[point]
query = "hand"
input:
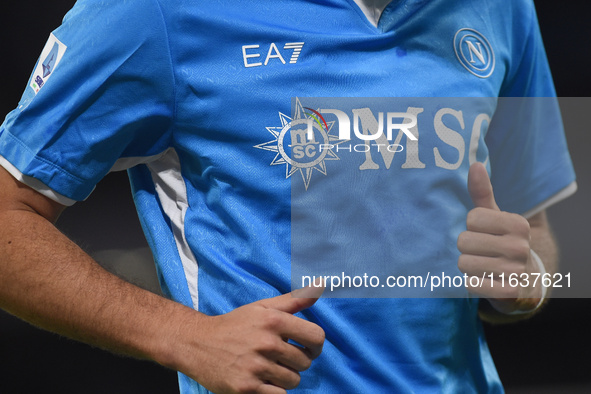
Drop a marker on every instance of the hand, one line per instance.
(497, 242)
(246, 350)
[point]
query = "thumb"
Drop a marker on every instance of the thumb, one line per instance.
(480, 188)
(295, 301)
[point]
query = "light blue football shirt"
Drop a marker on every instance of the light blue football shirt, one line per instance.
(192, 98)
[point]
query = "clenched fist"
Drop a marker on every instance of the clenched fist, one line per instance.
(496, 246)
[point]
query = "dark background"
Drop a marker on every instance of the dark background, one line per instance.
(548, 353)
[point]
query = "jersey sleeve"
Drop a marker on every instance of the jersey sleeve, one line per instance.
(530, 164)
(101, 96)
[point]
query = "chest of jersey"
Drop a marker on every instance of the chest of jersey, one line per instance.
(244, 97)
(236, 80)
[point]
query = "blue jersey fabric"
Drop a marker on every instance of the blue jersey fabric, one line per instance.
(187, 94)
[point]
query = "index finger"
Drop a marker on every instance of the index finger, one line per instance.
(307, 334)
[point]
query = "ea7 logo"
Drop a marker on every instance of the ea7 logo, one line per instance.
(290, 50)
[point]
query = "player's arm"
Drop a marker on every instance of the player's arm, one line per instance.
(49, 281)
(501, 244)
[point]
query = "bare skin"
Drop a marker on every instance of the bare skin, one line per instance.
(47, 280)
(500, 242)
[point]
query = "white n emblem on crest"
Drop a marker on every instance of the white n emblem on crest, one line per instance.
(474, 51)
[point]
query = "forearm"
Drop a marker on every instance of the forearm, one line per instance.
(543, 243)
(49, 281)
